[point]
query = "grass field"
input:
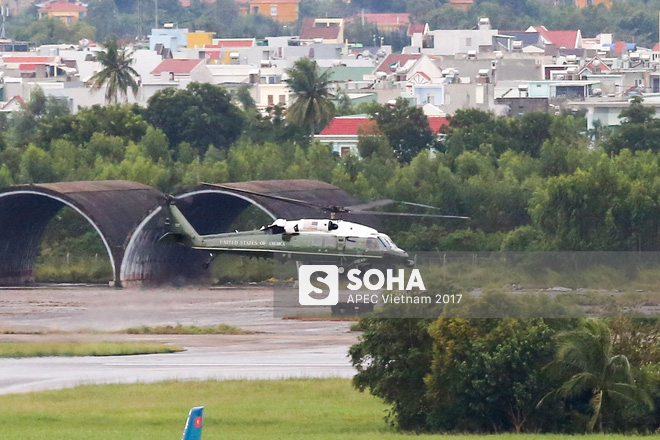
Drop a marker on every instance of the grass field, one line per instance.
(40, 349)
(238, 410)
(220, 329)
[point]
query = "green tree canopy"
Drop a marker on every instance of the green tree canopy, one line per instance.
(201, 114)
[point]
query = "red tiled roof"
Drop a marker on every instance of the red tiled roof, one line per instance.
(231, 43)
(176, 66)
(656, 47)
(18, 99)
(416, 28)
(309, 31)
(27, 67)
(461, 2)
(348, 126)
(438, 123)
(396, 58)
(356, 125)
(64, 6)
(620, 47)
(596, 64)
(33, 60)
(567, 39)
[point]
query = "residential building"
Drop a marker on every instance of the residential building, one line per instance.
(284, 11)
(463, 5)
(385, 22)
(181, 71)
(68, 13)
(343, 132)
(570, 39)
(323, 30)
(585, 3)
(199, 39)
(173, 39)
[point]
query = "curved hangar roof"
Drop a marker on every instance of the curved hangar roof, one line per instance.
(125, 214)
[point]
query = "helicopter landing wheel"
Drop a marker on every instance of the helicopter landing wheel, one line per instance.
(205, 265)
(341, 270)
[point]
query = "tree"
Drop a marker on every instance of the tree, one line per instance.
(201, 115)
(587, 357)
(638, 131)
(117, 74)
(487, 373)
(406, 128)
(312, 107)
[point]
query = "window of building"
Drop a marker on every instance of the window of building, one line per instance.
(468, 42)
(271, 100)
(273, 10)
(282, 99)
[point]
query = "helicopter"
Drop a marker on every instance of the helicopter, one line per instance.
(311, 241)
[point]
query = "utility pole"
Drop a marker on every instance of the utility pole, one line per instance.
(5, 14)
(139, 11)
(156, 1)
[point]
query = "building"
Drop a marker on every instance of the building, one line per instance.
(199, 39)
(584, 3)
(343, 132)
(182, 71)
(385, 22)
(284, 11)
(323, 30)
(69, 13)
(463, 5)
(173, 39)
(571, 39)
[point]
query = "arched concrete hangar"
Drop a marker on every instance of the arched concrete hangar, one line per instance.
(126, 217)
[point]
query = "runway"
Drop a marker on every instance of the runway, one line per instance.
(279, 348)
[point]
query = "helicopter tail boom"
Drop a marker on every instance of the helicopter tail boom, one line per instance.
(179, 225)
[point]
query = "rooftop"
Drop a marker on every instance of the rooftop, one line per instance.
(178, 67)
(64, 6)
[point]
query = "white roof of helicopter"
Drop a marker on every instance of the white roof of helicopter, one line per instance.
(345, 228)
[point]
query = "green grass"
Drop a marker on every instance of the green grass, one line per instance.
(237, 410)
(41, 349)
(91, 271)
(221, 329)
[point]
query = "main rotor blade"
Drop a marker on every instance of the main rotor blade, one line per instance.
(407, 214)
(270, 196)
(365, 208)
(370, 205)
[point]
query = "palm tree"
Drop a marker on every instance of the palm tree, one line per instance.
(585, 355)
(117, 74)
(311, 108)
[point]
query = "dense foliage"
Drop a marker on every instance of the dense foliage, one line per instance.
(505, 374)
(528, 183)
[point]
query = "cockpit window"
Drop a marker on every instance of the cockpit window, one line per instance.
(373, 244)
(384, 243)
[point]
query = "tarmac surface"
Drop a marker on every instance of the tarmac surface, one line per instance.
(280, 348)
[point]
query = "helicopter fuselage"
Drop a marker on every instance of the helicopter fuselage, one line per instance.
(340, 242)
(310, 240)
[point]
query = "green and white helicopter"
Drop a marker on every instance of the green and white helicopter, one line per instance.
(308, 241)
